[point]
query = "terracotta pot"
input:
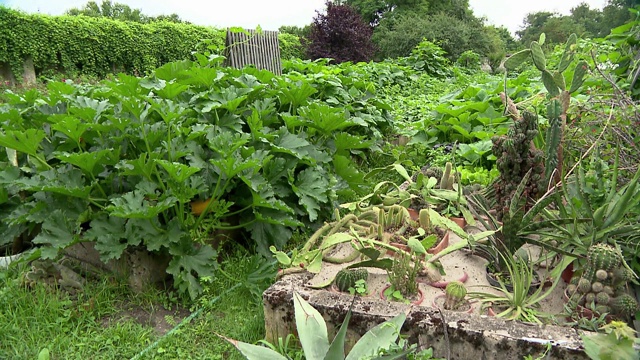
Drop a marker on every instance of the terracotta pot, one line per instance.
(444, 242)
(414, 213)
(443, 284)
(459, 221)
(438, 302)
(416, 302)
(567, 273)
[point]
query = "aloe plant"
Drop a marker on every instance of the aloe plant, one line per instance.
(312, 332)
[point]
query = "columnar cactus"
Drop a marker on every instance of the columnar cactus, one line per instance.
(448, 178)
(517, 156)
(559, 95)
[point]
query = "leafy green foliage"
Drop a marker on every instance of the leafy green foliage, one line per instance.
(95, 45)
(312, 330)
(119, 11)
(119, 163)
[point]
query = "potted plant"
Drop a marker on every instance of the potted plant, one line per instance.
(602, 288)
(353, 281)
(403, 276)
(600, 219)
(521, 224)
(518, 302)
(454, 298)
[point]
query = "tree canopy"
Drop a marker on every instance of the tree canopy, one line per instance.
(121, 12)
(583, 20)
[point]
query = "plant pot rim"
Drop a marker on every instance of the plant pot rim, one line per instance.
(5, 261)
(443, 284)
(416, 302)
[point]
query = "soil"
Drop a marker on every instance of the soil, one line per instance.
(455, 265)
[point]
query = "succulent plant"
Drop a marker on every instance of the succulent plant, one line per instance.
(603, 257)
(455, 292)
(624, 305)
(559, 95)
(346, 278)
(516, 157)
(604, 280)
(448, 177)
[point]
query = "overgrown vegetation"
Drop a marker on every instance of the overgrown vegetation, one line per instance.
(166, 161)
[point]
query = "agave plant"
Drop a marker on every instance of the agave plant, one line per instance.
(516, 302)
(312, 331)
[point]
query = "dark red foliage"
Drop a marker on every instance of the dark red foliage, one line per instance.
(340, 34)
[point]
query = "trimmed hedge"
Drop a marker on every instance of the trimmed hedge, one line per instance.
(95, 46)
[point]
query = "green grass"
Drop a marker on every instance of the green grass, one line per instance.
(75, 327)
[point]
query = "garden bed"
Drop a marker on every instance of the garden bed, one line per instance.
(477, 336)
(468, 336)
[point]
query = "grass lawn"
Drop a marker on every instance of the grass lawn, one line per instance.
(107, 321)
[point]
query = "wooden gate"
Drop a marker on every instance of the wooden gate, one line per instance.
(259, 49)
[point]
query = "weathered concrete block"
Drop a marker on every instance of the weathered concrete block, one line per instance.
(468, 336)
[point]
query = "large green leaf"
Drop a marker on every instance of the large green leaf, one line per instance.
(27, 141)
(255, 352)
(87, 161)
(177, 171)
(134, 204)
(312, 329)
(109, 234)
(58, 231)
(311, 186)
(189, 262)
(380, 337)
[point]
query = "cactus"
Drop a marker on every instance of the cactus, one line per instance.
(601, 257)
(554, 82)
(624, 305)
(516, 157)
(601, 275)
(448, 178)
(602, 298)
(604, 280)
(538, 57)
(455, 293)
(425, 220)
(346, 278)
(597, 287)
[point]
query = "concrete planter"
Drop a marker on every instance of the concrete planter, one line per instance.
(470, 336)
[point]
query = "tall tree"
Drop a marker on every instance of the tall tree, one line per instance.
(340, 34)
(590, 19)
(119, 11)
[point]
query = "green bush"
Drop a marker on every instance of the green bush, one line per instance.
(291, 47)
(95, 46)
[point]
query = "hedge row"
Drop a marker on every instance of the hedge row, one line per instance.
(76, 45)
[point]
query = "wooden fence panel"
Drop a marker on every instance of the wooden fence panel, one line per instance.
(261, 50)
